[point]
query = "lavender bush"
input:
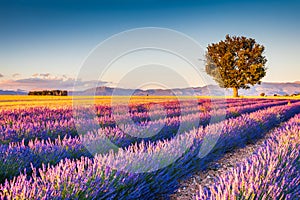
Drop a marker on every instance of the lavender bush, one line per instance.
(43, 122)
(122, 174)
(52, 151)
(272, 172)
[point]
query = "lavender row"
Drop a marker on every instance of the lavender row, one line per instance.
(42, 123)
(143, 112)
(272, 172)
(119, 175)
(17, 157)
(175, 108)
(47, 151)
(169, 127)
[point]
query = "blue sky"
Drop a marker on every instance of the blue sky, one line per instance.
(43, 43)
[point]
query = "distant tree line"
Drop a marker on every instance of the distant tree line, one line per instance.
(49, 93)
(284, 95)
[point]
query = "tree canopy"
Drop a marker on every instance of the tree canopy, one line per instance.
(236, 62)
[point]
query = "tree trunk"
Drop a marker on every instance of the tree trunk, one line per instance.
(235, 92)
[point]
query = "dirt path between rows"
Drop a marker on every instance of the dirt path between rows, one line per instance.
(189, 186)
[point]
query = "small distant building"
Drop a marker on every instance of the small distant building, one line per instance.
(49, 93)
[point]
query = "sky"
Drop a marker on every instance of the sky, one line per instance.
(44, 43)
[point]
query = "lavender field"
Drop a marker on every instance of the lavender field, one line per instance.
(149, 100)
(50, 152)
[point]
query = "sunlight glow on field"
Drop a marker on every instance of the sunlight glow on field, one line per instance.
(31, 101)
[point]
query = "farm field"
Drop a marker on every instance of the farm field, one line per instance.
(149, 100)
(51, 149)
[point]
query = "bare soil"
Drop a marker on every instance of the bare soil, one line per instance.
(189, 187)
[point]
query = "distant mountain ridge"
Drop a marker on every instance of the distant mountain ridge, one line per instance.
(12, 92)
(269, 88)
(274, 88)
(266, 87)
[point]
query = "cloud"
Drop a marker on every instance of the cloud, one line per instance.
(48, 82)
(16, 75)
(45, 75)
(1, 75)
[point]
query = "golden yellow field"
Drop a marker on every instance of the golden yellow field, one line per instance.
(25, 101)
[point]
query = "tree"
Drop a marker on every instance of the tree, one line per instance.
(236, 62)
(49, 92)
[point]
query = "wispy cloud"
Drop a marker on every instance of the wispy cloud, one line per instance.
(48, 81)
(45, 75)
(16, 75)
(1, 75)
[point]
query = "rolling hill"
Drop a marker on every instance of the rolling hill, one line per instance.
(266, 87)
